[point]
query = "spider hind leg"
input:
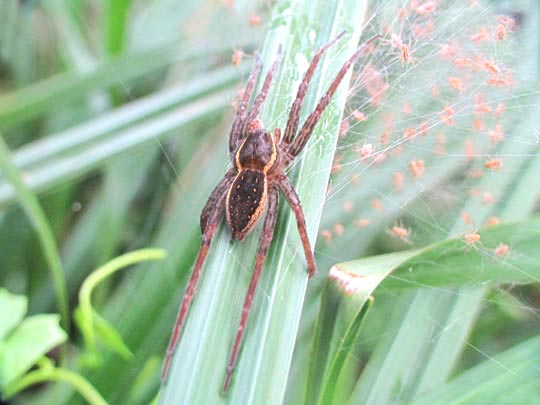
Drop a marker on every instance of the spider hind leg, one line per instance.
(266, 239)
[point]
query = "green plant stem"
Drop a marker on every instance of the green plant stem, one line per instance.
(37, 217)
(101, 274)
(57, 374)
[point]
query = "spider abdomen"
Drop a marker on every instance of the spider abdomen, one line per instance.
(246, 201)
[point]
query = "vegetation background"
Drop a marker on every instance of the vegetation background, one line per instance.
(114, 117)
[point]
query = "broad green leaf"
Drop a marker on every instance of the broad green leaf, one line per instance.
(30, 341)
(12, 310)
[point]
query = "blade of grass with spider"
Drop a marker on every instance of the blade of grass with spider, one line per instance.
(264, 362)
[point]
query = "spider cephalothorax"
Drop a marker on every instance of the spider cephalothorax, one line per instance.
(251, 187)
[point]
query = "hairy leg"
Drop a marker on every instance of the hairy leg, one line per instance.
(212, 222)
(294, 115)
(304, 134)
(255, 109)
(216, 195)
(240, 117)
(266, 239)
(294, 202)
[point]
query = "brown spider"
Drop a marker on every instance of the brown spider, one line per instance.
(259, 160)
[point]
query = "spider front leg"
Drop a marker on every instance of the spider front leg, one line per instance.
(293, 200)
(241, 112)
(294, 115)
(266, 239)
(307, 129)
(259, 100)
(210, 220)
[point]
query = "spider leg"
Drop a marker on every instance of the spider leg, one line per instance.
(215, 196)
(259, 100)
(293, 200)
(294, 115)
(239, 118)
(213, 219)
(266, 239)
(307, 129)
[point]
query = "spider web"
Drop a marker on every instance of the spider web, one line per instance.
(438, 114)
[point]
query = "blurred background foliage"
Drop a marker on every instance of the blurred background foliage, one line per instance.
(116, 114)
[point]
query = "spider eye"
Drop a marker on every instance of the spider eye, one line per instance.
(254, 125)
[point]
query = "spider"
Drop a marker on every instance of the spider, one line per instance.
(259, 160)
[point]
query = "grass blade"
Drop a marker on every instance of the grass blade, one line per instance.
(37, 217)
(265, 359)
